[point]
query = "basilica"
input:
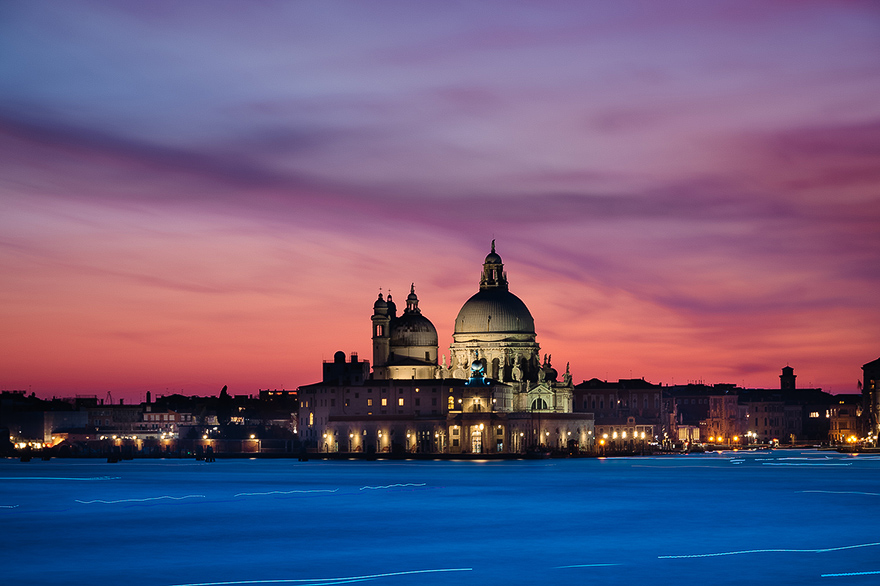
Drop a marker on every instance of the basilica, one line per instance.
(496, 394)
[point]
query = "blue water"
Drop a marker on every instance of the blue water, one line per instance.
(735, 518)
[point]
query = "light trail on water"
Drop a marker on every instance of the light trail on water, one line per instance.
(329, 581)
(154, 498)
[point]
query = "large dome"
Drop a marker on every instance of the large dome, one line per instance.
(413, 329)
(494, 311)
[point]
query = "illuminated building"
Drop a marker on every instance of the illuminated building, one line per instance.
(495, 396)
(871, 398)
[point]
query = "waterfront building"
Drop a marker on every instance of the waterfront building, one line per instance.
(871, 398)
(846, 420)
(628, 413)
(495, 395)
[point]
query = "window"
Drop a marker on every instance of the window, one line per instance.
(434, 402)
(451, 403)
(380, 330)
(539, 403)
(400, 402)
(455, 442)
(418, 402)
(311, 419)
(333, 402)
(369, 402)
(346, 402)
(384, 402)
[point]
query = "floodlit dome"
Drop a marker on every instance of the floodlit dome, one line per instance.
(494, 311)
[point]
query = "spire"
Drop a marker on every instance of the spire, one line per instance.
(493, 245)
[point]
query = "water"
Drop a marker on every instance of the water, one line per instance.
(779, 517)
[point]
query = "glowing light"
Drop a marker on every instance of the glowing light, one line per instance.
(253, 436)
(481, 427)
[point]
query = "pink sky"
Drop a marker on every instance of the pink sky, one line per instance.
(212, 193)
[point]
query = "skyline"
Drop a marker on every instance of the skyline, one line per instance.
(205, 194)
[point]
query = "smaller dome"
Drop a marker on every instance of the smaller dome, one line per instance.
(493, 258)
(380, 303)
(413, 329)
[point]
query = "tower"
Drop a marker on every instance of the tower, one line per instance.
(381, 332)
(786, 379)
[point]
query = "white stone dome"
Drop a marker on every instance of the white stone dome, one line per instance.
(494, 311)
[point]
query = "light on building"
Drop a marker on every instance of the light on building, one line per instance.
(481, 427)
(253, 436)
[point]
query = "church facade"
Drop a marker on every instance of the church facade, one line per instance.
(496, 394)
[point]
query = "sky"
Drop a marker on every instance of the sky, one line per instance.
(213, 193)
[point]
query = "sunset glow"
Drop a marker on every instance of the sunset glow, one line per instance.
(213, 193)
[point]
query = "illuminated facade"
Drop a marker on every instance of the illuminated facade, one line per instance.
(871, 398)
(496, 395)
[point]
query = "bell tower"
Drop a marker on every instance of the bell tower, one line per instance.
(381, 333)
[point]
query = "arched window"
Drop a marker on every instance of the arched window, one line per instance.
(451, 403)
(539, 403)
